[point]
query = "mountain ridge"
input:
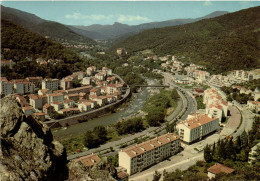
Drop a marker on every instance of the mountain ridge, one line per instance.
(113, 31)
(43, 27)
(227, 42)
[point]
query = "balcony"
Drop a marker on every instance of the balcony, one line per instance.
(140, 164)
(157, 156)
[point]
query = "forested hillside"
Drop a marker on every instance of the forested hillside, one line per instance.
(24, 45)
(223, 43)
(54, 30)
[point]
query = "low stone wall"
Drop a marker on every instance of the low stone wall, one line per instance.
(82, 117)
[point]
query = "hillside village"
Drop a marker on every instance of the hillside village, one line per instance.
(53, 98)
(191, 95)
(195, 127)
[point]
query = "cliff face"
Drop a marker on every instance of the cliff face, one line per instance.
(28, 151)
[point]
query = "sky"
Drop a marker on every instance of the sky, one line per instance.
(126, 12)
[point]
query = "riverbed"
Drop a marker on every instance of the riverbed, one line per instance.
(132, 109)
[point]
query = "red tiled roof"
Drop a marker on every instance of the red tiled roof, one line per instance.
(219, 168)
(55, 94)
(56, 102)
(39, 114)
(89, 160)
(197, 121)
(141, 148)
(44, 90)
(68, 101)
(3, 79)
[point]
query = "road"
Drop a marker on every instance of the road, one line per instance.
(151, 132)
(193, 153)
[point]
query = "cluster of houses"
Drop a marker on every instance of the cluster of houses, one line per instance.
(8, 63)
(196, 72)
(216, 106)
(171, 63)
(141, 156)
(121, 51)
(234, 77)
(60, 96)
(42, 61)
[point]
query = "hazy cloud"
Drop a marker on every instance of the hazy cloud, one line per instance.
(130, 18)
(79, 16)
(207, 3)
(116, 18)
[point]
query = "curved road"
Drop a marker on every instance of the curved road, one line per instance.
(180, 113)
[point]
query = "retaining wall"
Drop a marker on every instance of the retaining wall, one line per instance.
(83, 117)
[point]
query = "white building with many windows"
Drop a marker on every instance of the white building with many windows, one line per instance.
(52, 84)
(54, 97)
(196, 127)
(6, 87)
(138, 157)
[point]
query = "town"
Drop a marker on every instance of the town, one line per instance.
(57, 98)
(113, 91)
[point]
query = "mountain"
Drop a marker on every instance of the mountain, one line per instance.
(24, 47)
(121, 31)
(54, 30)
(222, 43)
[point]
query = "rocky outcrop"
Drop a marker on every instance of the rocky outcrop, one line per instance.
(28, 151)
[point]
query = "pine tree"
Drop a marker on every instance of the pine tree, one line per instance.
(220, 153)
(244, 139)
(238, 144)
(213, 148)
(230, 150)
(207, 154)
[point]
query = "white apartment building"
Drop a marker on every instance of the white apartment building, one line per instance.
(138, 157)
(243, 75)
(112, 88)
(55, 97)
(86, 81)
(196, 127)
(107, 70)
(100, 76)
(253, 153)
(91, 70)
(36, 101)
(215, 105)
(84, 106)
(57, 105)
(52, 84)
(6, 87)
(66, 84)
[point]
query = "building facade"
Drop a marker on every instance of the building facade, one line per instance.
(196, 127)
(52, 84)
(138, 157)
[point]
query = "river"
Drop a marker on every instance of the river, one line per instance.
(133, 108)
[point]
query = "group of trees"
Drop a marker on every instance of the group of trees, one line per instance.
(200, 104)
(157, 105)
(234, 94)
(133, 125)
(25, 47)
(222, 43)
(228, 150)
(95, 137)
(231, 153)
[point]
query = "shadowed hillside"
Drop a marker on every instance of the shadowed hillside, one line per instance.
(223, 43)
